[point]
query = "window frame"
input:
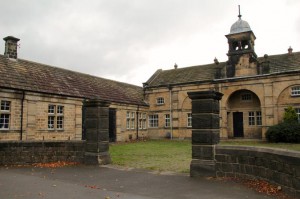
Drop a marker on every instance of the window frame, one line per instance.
(130, 120)
(153, 121)
(128, 123)
(5, 114)
(56, 118)
(246, 97)
(142, 121)
(254, 118)
(258, 119)
(298, 113)
(160, 101)
(167, 120)
(295, 91)
(251, 118)
(189, 120)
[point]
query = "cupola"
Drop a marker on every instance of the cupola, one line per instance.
(241, 52)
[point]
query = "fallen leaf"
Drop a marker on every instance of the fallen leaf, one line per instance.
(55, 164)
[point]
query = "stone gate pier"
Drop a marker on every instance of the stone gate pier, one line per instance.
(205, 131)
(97, 132)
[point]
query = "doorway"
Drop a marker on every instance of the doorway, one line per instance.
(112, 125)
(238, 125)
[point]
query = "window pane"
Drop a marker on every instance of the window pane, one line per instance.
(298, 113)
(153, 121)
(4, 121)
(60, 122)
(258, 118)
(132, 124)
(251, 119)
(295, 91)
(51, 109)
(167, 120)
(246, 97)
(128, 124)
(160, 100)
(140, 123)
(51, 122)
(5, 105)
(144, 124)
(189, 120)
(60, 110)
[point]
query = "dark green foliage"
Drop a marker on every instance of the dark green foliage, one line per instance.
(284, 132)
(288, 131)
(290, 115)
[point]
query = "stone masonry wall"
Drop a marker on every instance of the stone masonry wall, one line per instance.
(28, 152)
(281, 167)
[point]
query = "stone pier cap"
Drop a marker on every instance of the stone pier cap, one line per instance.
(205, 95)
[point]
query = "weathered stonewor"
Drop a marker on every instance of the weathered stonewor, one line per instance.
(97, 132)
(205, 131)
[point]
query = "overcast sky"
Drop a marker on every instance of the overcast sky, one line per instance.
(128, 40)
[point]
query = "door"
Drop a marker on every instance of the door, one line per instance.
(238, 126)
(112, 125)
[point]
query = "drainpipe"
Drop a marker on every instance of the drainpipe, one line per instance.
(137, 122)
(22, 112)
(171, 115)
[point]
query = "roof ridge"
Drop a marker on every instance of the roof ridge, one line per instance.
(72, 71)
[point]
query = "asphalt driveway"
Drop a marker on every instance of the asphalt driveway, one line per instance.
(94, 182)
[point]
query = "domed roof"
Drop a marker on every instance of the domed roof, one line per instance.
(239, 26)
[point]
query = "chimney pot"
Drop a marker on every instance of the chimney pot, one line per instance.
(216, 61)
(11, 47)
(290, 50)
(175, 66)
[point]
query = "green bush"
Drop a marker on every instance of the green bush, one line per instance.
(284, 132)
(290, 115)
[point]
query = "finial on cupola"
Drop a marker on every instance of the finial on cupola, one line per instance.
(239, 12)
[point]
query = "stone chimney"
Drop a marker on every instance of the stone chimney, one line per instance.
(11, 47)
(290, 50)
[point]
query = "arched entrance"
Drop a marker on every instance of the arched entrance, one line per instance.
(244, 115)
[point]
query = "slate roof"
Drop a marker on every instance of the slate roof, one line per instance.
(30, 76)
(201, 73)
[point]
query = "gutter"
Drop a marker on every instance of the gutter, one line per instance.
(171, 115)
(137, 122)
(22, 113)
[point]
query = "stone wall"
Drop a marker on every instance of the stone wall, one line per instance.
(28, 152)
(277, 166)
(35, 116)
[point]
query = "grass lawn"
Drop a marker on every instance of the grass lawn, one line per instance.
(166, 155)
(162, 155)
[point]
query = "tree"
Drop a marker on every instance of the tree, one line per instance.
(290, 115)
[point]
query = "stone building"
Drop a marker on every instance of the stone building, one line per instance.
(256, 90)
(40, 102)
